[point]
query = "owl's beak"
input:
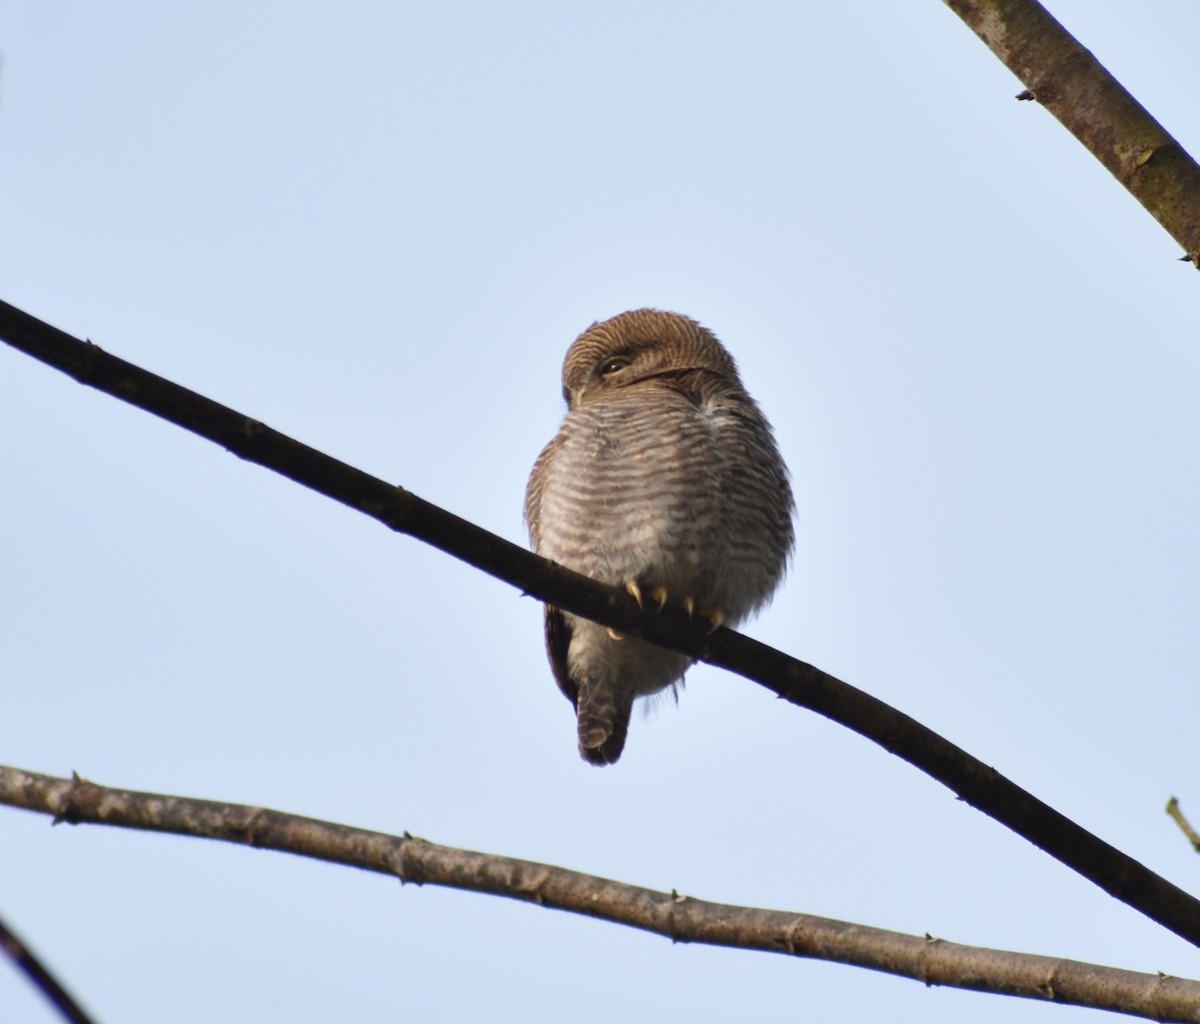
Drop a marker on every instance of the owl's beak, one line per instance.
(575, 396)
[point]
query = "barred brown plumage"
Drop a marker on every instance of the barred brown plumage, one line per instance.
(664, 478)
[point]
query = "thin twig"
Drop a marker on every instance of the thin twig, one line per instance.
(679, 918)
(37, 972)
(795, 681)
(1174, 811)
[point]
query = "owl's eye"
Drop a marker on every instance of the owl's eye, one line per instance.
(615, 364)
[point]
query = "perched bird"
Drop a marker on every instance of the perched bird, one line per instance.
(664, 479)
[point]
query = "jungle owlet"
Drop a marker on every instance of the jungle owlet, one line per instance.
(664, 479)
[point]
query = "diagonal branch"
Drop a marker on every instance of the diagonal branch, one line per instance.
(679, 918)
(28, 963)
(1094, 107)
(797, 682)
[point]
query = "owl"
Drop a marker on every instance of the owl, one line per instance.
(663, 479)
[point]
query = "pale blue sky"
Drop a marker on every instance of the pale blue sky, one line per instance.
(377, 228)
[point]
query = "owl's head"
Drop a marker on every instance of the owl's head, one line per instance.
(641, 345)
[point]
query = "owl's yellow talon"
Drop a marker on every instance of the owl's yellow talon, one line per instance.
(715, 616)
(689, 606)
(634, 591)
(614, 634)
(659, 594)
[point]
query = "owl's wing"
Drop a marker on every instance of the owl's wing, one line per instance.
(533, 492)
(558, 639)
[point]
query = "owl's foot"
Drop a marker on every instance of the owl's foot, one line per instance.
(658, 595)
(634, 591)
(714, 615)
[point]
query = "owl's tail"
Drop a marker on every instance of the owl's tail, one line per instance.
(603, 724)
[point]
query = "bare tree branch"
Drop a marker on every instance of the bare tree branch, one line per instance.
(795, 681)
(1094, 107)
(679, 918)
(28, 963)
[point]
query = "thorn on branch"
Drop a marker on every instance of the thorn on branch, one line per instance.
(671, 933)
(69, 811)
(406, 865)
(1025, 95)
